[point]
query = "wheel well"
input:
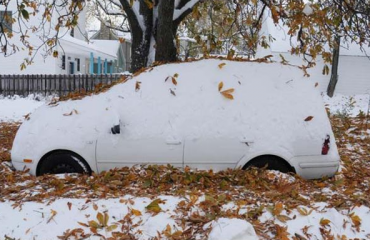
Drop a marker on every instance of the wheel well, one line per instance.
(43, 159)
(280, 159)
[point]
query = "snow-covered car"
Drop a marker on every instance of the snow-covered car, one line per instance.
(205, 114)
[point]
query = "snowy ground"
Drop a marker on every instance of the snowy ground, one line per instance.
(15, 108)
(169, 204)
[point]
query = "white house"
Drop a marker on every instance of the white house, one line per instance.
(353, 69)
(75, 54)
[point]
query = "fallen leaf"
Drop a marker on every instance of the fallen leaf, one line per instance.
(309, 118)
(174, 81)
(69, 205)
(154, 206)
(137, 86)
(220, 86)
(324, 222)
(136, 212)
(355, 219)
(221, 65)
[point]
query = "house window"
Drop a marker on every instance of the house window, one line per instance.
(64, 62)
(6, 21)
(78, 64)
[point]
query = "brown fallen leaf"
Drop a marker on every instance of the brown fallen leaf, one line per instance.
(69, 205)
(309, 118)
(137, 86)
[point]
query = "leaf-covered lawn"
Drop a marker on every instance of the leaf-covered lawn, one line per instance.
(279, 206)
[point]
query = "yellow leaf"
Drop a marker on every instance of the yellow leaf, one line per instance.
(93, 224)
(111, 228)
(167, 231)
(106, 218)
(154, 206)
(136, 212)
(221, 65)
(355, 219)
(176, 75)
(121, 40)
(149, 4)
(220, 86)
(304, 211)
(100, 218)
(324, 222)
(283, 218)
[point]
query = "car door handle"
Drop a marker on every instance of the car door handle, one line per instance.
(174, 142)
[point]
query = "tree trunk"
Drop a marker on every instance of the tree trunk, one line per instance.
(165, 48)
(334, 68)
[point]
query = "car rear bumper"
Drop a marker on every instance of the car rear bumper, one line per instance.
(313, 167)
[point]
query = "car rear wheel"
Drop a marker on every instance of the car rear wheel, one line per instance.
(271, 163)
(60, 162)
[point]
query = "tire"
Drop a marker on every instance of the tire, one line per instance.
(63, 162)
(272, 162)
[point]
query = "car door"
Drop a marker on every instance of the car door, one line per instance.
(116, 150)
(215, 153)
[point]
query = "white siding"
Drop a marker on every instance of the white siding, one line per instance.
(353, 71)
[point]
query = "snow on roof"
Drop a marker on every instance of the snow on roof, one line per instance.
(73, 45)
(283, 42)
(109, 46)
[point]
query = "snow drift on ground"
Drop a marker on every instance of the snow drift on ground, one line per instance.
(15, 108)
(349, 106)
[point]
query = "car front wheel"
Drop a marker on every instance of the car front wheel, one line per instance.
(60, 162)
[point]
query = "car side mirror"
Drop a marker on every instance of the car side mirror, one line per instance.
(116, 129)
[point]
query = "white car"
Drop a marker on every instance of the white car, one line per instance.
(205, 114)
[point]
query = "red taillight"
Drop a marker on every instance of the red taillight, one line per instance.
(326, 146)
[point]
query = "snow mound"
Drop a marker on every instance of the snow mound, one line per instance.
(232, 229)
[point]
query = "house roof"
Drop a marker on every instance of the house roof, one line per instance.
(109, 46)
(73, 45)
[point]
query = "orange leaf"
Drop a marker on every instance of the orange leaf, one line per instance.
(221, 65)
(227, 95)
(220, 86)
(136, 212)
(231, 90)
(324, 222)
(278, 209)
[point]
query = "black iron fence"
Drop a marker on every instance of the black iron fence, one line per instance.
(46, 84)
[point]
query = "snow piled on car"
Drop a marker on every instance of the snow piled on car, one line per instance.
(189, 100)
